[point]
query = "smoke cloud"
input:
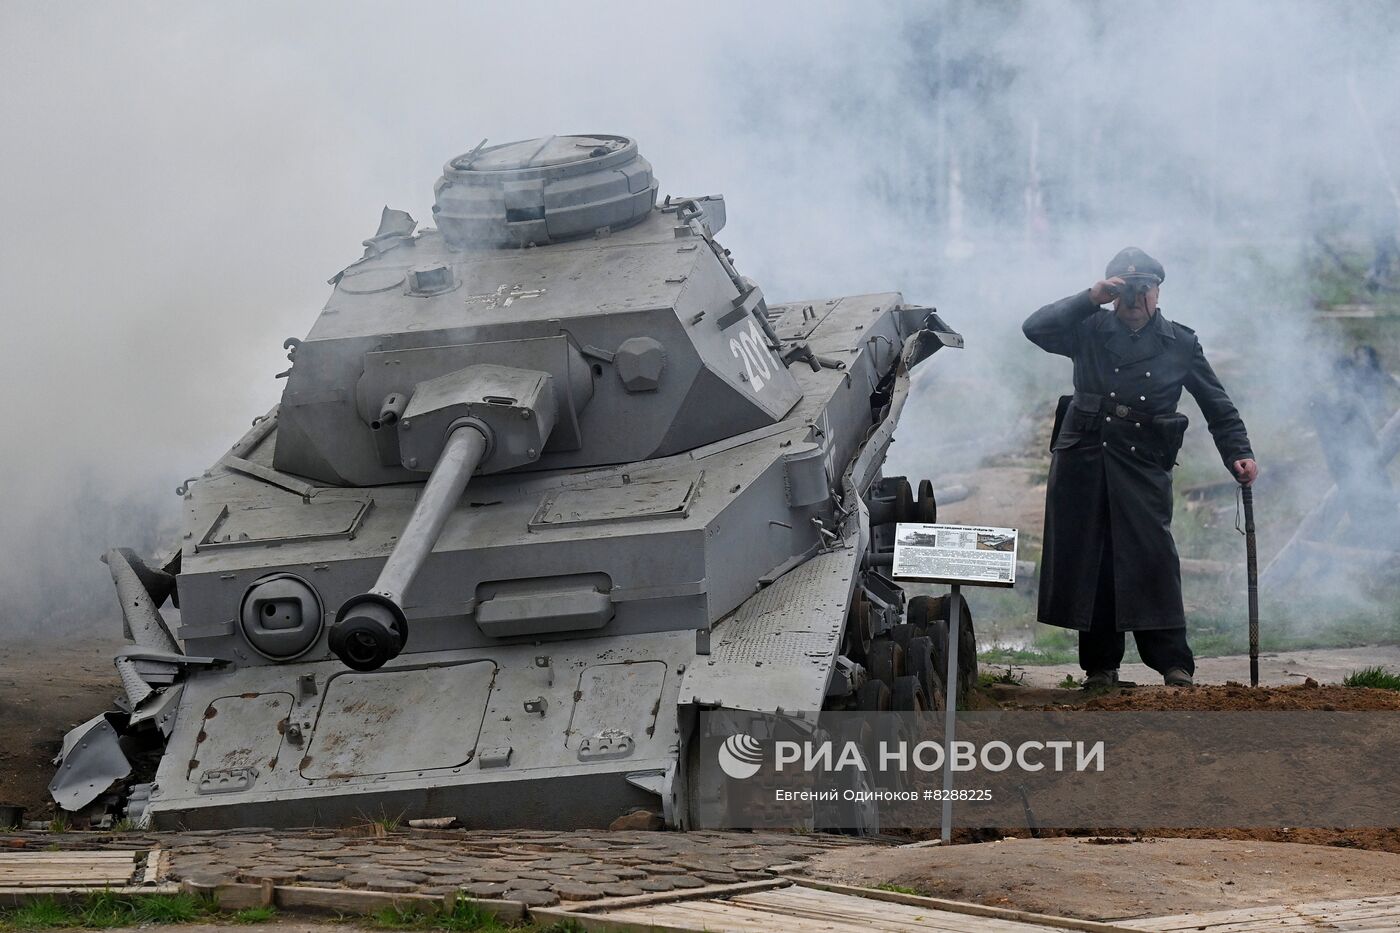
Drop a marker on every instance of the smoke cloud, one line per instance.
(179, 181)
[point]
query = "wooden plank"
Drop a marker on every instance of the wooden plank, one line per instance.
(76, 874)
(710, 917)
(890, 918)
(605, 923)
(679, 894)
(857, 916)
(80, 854)
(869, 914)
(1330, 915)
(86, 874)
(67, 853)
(1351, 908)
(19, 863)
(152, 871)
(67, 860)
(963, 907)
(69, 866)
(43, 866)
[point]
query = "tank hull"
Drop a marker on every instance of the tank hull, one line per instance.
(676, 506)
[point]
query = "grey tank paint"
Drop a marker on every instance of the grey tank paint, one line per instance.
(671, 511)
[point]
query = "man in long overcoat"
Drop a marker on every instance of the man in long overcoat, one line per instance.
(1109, 563)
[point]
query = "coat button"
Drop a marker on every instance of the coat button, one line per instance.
(1142, 398)
(1108, 417)
(1115, 369)
(1104, 444)
(1149, 375)
(1132, 449)
(1113, 395)
(1139, 424)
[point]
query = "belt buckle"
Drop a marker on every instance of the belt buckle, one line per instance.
(1121, 411)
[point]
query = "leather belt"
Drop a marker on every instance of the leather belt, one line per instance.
(1091, 402)
(1129, 414)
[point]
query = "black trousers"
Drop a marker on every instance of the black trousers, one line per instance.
(1101, 648)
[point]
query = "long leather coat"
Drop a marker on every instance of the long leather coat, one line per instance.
(1110, 490)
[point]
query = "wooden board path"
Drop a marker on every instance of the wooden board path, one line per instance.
(1353, 915)
(807, 907)
(97, 869)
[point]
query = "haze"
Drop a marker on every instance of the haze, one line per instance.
(179, 180)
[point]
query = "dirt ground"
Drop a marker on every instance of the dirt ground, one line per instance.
(45, 690)
(1324, 665)
(1106, 878)
(1308, 695)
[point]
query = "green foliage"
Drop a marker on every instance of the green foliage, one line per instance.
(59, 824)
(399, 917)
(1378, 677)
(1007, 676)
(466, 915)
(40, 914)
(1071, 682)
(900, 889)
(254, 915)
(384, 824)
(104, 910)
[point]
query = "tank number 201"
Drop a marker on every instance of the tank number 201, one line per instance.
(748, 348)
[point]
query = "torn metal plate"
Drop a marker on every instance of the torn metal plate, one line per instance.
(89, 764)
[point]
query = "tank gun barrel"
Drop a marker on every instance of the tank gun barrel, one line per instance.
(461, 455)
(371, 629)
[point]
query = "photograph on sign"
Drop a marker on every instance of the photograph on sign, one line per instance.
(955, 554)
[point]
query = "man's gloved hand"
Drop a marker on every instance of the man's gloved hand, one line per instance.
(1105, 290)
(1246, 471)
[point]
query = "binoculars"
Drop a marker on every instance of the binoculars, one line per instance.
(1135, 285)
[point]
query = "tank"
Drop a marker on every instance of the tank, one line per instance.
(547, 479)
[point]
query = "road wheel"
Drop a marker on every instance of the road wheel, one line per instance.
(901, 634)
(885, 660)
(904, 501)
(918, 660)
(858, 628)
(920, 609)
(925, 506)
(967, 653)
(874, 697)
(909, 695)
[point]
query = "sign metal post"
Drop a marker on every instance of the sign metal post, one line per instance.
(956, 555)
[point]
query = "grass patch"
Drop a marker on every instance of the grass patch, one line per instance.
(1006, 676)
(254, 915)
(41, 914)
(382, 825)
(1071, 682)
(900, 889)
(104, 910)
(1377, 677)
(1010, 657)
(465, 915)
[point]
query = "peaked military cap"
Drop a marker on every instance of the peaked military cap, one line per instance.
(1134, 261)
